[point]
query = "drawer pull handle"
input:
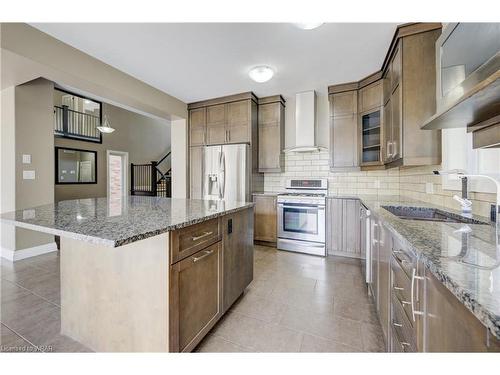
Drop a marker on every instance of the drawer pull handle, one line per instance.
(207, 253)
(206, 234)
(404, 345)
(413, 278)
(398, 288)
(397, 324)
(405, 302)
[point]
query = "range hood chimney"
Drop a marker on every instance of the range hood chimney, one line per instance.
(305, 123)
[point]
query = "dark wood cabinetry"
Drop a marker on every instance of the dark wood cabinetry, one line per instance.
(265, 222)
(211, 265)
(238, 255)
(343, 130)
(231, 119)
(343, 227)
(195, 297)
(271, 133)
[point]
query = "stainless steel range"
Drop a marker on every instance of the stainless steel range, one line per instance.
(301, 216)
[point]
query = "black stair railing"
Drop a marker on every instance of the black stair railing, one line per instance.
(148, 179)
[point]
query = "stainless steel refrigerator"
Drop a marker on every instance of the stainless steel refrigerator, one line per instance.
(221, 172)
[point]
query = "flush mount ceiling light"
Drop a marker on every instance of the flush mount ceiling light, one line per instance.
(308, 25)
(105, 128)
(261, 73)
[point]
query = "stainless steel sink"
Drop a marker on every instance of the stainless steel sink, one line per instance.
(429, 214)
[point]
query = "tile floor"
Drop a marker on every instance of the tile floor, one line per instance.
(296, 303)
(299, 303)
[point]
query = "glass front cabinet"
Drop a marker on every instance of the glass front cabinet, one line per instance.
(370, 138)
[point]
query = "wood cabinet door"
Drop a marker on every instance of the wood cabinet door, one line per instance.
(350, 229)
(265, 223)
(395, 67)
(387, 132)
(334, 225)
(345, 103)
(271, 134)
(370, 97)
(238, 255)
(196, 172)
(344, 141)
(216, 124)
(238, 122)
(195, 297)
(451, 327)
(197, 126)
(397, 123)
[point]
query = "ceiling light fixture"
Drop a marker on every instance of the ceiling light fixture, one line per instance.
(262, 73)
(308, 25)
(106, 128)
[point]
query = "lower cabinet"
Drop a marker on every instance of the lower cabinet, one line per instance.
(384, 257)
(195, 297)
(450, 326)
(265, 210)
(238, 255)
(343, 227)
(212, 264)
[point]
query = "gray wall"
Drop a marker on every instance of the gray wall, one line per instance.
(144, 138)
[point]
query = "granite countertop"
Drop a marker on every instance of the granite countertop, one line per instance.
(117, 222)
(445, 248)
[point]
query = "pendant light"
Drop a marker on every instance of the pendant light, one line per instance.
(105, 128)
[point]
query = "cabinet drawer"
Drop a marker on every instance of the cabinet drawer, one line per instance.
(402, 332)
(187, 241)
(195, 297)
(401, 287)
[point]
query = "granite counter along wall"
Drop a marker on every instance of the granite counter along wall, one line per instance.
(409, 182)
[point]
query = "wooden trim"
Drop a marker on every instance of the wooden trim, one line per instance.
(401, 31)
(224, 99)
(265, 243)
(407, 29)
(350, 86)
(370, 79)
(271, 99)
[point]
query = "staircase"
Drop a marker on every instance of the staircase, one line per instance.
(148, 179)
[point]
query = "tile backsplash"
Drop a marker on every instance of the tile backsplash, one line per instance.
(410, 182)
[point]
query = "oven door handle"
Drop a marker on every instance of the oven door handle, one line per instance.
(300, 206)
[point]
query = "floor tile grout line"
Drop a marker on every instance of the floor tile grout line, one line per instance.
(234, 343)
(32, 292)
(21, 336)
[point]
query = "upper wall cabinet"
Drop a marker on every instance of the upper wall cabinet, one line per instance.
(223, 120)
(382, 126)
(198, 126)
(411, 99)
(343, 129)
(271, 133)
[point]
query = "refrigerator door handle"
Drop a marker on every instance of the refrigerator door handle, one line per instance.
(223, 174)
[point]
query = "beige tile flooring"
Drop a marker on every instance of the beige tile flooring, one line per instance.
(299, 303)
(296, 303)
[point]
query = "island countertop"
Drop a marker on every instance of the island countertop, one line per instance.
(117, 222)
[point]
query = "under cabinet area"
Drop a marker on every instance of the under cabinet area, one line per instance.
(343, 227)
(265, 223)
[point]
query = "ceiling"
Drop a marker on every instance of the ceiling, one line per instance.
(196, 61)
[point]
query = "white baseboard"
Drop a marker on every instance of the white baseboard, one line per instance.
(28, 252)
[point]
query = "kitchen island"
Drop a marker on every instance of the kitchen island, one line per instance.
(146, 273)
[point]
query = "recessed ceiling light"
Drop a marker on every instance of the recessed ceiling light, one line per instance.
(262, 73)
(308, 25)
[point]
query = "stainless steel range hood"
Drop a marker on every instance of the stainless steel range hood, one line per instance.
(305, 123)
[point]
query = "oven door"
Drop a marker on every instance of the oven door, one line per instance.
(299, 221)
